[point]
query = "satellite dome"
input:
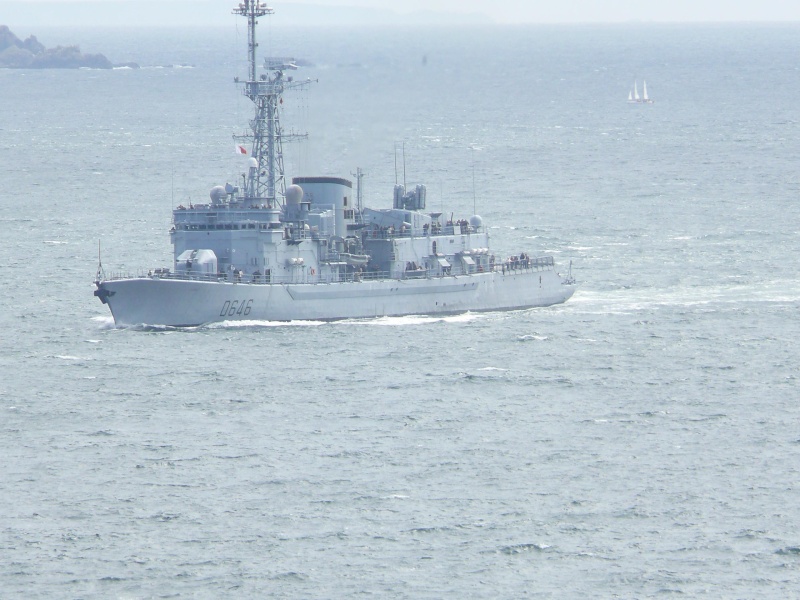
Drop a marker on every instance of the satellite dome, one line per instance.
(253, 162)
(217, 194)
(475, 221)
(294, 194)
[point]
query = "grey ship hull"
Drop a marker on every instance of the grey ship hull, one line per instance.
(179, 303)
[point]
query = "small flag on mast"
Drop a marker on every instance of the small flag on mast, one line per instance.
(240, 149)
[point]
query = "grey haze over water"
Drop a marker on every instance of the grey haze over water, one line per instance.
(327, 13)
(639, 441)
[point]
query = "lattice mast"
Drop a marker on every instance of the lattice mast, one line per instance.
(265, 182)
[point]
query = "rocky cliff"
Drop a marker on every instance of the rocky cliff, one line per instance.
(31, 54)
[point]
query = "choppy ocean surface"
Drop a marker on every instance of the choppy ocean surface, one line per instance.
(642, 440)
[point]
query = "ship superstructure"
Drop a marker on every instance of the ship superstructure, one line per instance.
(259, 249)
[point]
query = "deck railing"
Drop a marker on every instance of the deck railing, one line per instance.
(509, 267)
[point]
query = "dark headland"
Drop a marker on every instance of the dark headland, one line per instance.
(31, 54)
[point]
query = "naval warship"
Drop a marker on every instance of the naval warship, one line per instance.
(310, 250)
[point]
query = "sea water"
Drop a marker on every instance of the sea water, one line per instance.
(641, 440)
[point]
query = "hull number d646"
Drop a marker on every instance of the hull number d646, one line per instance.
(236, 308)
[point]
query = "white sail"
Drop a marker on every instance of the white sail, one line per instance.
(635, 91)
(644, 91)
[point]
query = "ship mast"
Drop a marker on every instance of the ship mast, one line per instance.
(252, 9)
(265, 181)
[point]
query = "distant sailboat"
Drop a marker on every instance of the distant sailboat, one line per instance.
(633, 96)
(645, 99)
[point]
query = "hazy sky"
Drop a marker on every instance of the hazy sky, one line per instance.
(500, 11)
(511, 11)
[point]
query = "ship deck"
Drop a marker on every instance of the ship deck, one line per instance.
(509, 267)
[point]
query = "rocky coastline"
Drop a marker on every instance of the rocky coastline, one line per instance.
(32, 54)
